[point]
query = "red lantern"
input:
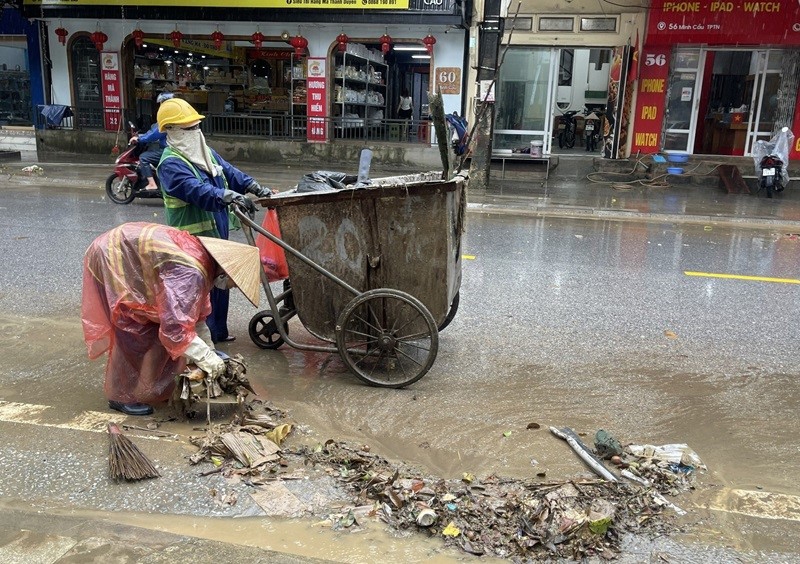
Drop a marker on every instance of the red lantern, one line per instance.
(62, 35)
(176, 37)
(98, 38)
(386, 43)
(429, 41)
(138, 37)
(342, 40)
(218, 38)
(299, 43)
(258, 39)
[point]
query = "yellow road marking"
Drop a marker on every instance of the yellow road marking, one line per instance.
(743, 277)
(468, 257)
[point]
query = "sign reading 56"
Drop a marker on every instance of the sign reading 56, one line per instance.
(655, 60)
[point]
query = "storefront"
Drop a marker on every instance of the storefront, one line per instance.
(716, 77)
(556, 64)
(20, 68)
(300, 76)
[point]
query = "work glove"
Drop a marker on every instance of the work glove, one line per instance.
(229, 197)
(258, 190)
(205, 358)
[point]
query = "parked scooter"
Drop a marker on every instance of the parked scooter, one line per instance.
(128, 182)
(592, 131)
(567, 129)
(772, 162)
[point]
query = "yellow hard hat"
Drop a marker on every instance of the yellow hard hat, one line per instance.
(176, 112)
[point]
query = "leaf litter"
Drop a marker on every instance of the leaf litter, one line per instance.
(512, 518)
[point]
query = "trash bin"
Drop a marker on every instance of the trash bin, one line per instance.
(536, 149)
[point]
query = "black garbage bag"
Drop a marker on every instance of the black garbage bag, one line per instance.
(324, 181)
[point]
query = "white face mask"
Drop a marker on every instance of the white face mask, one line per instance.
(192, 144)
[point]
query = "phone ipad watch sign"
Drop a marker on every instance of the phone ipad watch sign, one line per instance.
(742, 22)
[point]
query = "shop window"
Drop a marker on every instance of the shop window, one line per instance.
(86, 82)
(599, 24)
(565, 67)
(556, 24)
(520, 24)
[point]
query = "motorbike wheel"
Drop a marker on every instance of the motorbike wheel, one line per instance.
(560, 139)
(569, 140)
(119, 190)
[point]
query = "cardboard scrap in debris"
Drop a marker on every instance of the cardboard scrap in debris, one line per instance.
(276, 500)
(251, 450)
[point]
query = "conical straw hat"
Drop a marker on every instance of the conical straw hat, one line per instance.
(240, 262)
(592, 116)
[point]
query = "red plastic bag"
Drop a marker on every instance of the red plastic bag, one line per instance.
(273, 257)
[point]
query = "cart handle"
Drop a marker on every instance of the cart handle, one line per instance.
(245, 219)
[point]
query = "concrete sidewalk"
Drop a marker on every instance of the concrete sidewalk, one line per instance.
(573, 189)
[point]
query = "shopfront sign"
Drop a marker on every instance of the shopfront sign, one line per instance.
(292, 4)
(742, 22)
(650, 100)
(448, 80)
(316, 100)
(196, 46)
(112, 90)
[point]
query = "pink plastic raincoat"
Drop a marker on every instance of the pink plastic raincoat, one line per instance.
(145, 287)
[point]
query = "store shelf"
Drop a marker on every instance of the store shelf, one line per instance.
(362, 78)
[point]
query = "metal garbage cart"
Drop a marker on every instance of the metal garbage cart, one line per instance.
(375, 270)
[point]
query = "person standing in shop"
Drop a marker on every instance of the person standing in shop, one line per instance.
(198, 187)
(405, 111)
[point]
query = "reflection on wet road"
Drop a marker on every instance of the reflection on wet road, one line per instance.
(587, 324)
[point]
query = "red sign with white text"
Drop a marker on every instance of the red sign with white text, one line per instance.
(112, 90)
(650, 100)
(317, 104)
(740, 22)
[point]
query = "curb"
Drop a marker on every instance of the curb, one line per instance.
(621, 215)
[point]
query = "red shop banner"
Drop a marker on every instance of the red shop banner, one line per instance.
(112, 90)
(650, 99)
(737, 22)
(317, 100)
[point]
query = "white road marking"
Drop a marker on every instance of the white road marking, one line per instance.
(32, 414)
(761, 504)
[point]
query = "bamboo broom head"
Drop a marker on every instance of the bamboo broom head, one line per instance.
(125, 460)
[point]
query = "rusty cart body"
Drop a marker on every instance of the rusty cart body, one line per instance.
(374, 271)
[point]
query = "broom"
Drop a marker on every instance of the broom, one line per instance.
(125, 460)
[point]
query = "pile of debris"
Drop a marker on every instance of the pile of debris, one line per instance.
(496, 516)
(507, 518)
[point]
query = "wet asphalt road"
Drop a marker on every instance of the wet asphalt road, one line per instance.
(587, 324)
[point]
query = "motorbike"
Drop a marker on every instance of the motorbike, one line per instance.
(567, 129)
(772, 162)
(127, 182)
(592, 131)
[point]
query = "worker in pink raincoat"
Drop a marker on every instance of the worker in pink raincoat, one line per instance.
(146, 294)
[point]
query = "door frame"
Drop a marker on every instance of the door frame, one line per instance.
(754, 118)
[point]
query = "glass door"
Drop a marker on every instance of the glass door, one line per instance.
(524, 95)
(765, 83)
(682, 100)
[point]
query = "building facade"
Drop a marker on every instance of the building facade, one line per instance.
(715, 77)
(315, 70)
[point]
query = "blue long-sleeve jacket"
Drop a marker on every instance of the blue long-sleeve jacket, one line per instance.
(153, 135)
(191, 185)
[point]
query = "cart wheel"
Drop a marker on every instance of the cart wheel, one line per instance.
(451, 313)
(387, 338)
(264, 331)
(119, 190)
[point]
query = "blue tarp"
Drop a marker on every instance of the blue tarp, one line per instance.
(54, 113)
